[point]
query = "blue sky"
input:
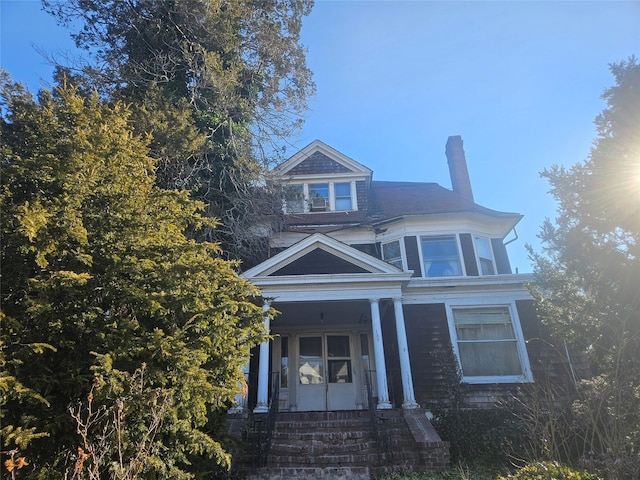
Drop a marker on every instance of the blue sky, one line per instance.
(519, 81)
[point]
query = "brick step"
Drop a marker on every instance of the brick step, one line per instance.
(311, 473)
(311, 435)
(353, 460)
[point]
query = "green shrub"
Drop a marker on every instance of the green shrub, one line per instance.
(549, 471)
(480, 436)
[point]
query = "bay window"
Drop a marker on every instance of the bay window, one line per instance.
(440, 256)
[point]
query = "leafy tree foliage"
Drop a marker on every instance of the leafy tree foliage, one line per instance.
(102, 290)
(588, 279)
(216, 83)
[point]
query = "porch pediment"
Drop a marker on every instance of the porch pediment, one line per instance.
(319, 254)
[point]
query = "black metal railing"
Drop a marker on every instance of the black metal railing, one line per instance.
(379, 425)
(262, 425)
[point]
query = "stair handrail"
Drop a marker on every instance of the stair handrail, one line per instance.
(263, 425)
(378, 424)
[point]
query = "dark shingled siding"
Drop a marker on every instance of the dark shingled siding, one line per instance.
(318, 261)
(318, 163)
(500, 254)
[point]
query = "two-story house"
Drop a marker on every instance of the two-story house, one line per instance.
(376, 280)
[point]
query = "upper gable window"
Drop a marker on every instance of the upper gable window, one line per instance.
(485, 256)
(440, 256)
(294, 198)
(319, 196)
(343, 196)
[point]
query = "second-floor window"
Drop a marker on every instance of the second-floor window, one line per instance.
(440, 256)
(392, 254)
(485, 256)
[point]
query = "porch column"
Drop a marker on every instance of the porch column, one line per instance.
(409, 399)
(241, 398)
(378, 351)
(262, 405)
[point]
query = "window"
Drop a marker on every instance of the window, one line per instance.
(310, 363)
(343, 196)
(284, 362)
(488, 345)
(392, 254)
(440, 256)
(294, 198)
(485, 257)
(319, 196)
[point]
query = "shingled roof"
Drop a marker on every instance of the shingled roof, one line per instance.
(389, 200)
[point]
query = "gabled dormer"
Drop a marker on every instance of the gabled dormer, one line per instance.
(320, 179)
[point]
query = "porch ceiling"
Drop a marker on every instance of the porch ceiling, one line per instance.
(322, 313)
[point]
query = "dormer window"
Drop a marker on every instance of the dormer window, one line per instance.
(319, 197)
(293, 198)
(343, 196)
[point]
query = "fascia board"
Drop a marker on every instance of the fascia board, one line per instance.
(332, 287)
(328, 244)
(319, 146)
(505, 222)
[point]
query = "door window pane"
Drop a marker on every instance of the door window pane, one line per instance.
(338, 346)
(339, 371)
(310, 364)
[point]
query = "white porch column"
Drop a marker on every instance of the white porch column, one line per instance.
(241, 398)
(262, 405)
(409, 399)
(378, 351)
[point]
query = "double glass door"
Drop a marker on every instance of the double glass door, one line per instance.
(325, 373)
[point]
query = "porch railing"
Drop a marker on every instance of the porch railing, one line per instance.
(379, 425)
(262, 425)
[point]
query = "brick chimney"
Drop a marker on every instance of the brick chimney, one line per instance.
(458, 167)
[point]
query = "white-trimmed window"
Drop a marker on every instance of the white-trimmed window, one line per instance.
(392, 253)
(489, 344)
(484, 251)
(440, 256)
(318, 196)
(293, 198)
(343, 196)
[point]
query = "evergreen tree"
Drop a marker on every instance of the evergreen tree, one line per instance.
(217, 84)
(588, 279)
(104, 299)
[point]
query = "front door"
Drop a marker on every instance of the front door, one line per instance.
(325, 373)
